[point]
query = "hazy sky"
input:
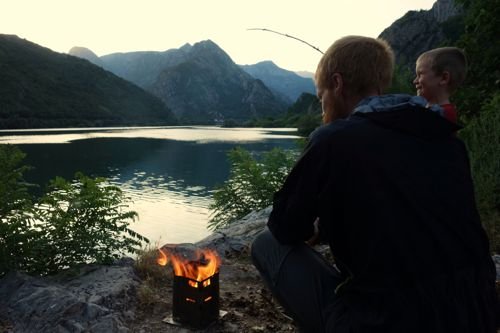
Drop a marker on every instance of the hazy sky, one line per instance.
(108, 26)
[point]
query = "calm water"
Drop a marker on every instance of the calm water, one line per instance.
(168, 172)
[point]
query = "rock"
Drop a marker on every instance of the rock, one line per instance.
(238, 236)
(496, 259)
(94, 300)
(442, 10)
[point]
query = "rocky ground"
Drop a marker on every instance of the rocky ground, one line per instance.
(136, 296)
(249, 305)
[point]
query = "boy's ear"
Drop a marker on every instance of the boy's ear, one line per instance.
(445, 78)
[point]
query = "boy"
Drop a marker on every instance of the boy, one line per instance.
(439, 72)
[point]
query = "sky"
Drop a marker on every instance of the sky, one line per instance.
(110, 26)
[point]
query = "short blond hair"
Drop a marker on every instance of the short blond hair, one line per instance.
(447, 59)
(365, 64)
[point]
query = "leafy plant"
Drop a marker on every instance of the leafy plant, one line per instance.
(482, 137)
(15, 209)
(83, 221)
(78, 222)
(251, 184)
(402, 81)
(483, 53)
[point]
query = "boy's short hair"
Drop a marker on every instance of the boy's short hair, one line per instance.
(448, 59)
(366, 64)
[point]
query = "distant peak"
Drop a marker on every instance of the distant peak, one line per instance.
(207, 46)
(306, 74)
(186, 47)
(85, 53)
(267, 63)
(79, 50)
(206, 43)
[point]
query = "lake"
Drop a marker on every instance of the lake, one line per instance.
(168, 172)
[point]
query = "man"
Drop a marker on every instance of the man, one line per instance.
(388, 186)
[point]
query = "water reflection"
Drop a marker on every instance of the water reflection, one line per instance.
(169, 181)
(200, 134)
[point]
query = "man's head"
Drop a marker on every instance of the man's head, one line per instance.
(439, 72)
(353, 68)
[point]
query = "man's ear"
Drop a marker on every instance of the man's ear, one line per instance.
(445, 78)
(337, 84)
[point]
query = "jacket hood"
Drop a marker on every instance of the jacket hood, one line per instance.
(406, 113)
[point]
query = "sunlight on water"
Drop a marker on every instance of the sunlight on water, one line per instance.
(193, 133)
(171, 219)
(168, 211)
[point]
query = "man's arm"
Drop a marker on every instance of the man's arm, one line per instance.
(295, 205)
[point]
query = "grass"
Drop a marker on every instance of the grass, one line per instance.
(154, 278)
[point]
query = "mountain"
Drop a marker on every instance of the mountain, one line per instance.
(42, 88)
(209, 87)
(306, 104)
(199, 83)
(85, 53)
(420, 31)
(279, 80)
(143, 67)
(306, 74)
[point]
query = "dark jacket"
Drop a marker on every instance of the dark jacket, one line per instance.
(393, 191)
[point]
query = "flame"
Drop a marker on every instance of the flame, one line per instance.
(162, 258)
(205, 264)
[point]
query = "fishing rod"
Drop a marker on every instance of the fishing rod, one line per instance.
(289, 36)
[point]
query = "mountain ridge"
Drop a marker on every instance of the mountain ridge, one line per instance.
(419, 31)
(209, 86)
(43, 88)
(162, 73)
(279, 80)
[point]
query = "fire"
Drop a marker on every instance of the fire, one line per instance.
(203, 265)
(162, 258)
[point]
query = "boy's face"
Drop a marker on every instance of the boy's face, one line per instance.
(428, 84)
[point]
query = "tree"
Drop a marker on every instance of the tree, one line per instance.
(482, 28)
(479, 104)
(482, 137)
(251, 184)
(402, 81)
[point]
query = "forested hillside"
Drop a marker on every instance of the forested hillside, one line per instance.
(41, 88)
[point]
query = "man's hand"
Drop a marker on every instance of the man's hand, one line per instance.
(315, 237)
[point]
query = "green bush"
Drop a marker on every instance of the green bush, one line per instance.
(307, 123)
(85, 221)
(482, 137)
(78, 222)
(16, 234)
(402, 81)
(251, 184)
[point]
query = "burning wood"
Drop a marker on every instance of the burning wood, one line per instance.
(196, 283)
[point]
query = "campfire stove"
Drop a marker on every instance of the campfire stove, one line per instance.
(195, 297)
(196, 303)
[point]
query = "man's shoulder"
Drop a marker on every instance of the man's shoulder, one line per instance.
(336, 128)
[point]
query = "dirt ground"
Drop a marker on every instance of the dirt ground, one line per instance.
(248, 303)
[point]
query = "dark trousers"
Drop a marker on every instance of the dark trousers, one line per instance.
(301, 280)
